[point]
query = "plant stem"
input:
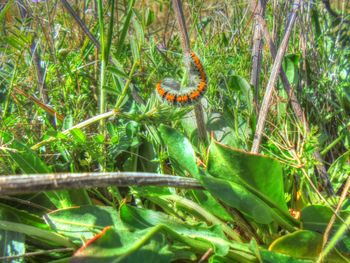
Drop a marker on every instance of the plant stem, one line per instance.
(126, 86)
(186, 48)
(259, 10)
(298, 110)
(77, 126)
(273, 78)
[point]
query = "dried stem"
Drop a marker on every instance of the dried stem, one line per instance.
(19, 184)
(259, 10)
(185, 42)
(273, 78)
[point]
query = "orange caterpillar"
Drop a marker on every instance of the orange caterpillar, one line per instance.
(168, 89)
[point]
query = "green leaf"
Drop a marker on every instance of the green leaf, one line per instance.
(30, 163)
(26, 159)
(254, 172)
(45, 236)
(317, 217)
(117, 71)
(114, 245)
(180, 149)
(142, 218)
(241, 84)
(291, 67)
(303, 244)
(84, 221)
(125, 28)
(236, 196)
(182, 155)
(78, 135)
(22, 216)
(68, 122)
(273, 257)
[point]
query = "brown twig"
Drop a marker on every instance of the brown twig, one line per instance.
(42, 105)
(298, 111)
(19, 184)
(206, 255)
(185, 42)
(273, 78)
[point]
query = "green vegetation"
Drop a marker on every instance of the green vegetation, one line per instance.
(80, 97)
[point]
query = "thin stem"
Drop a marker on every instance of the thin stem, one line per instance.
(102, 99)
(273, 78)
(259, 10)
(77, 126)
(298, 110)
(326, 234)
(186, 48)
(127, 84)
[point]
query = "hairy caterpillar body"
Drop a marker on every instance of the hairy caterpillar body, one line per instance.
(169, 92)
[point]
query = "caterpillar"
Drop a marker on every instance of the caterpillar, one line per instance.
(169, 91)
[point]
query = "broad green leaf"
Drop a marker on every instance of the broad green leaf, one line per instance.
(317, 217)
(303, 244)
(114, 245)
(129, 246)
(207, 201)
(182, 154)
(273, 257)
(256, 172)
(180, 149)
(142, 218)
(82, 222)
(238, 197)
